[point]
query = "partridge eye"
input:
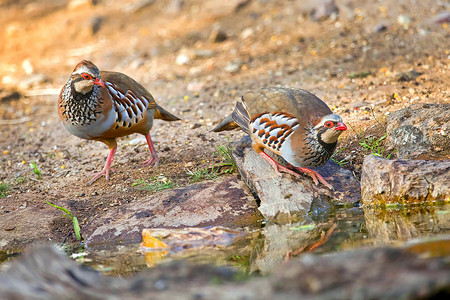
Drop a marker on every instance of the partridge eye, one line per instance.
(329, 124)
(86, 76)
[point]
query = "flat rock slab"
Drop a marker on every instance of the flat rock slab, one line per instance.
(380, 273)
(404, 181)
(289, 195)
(420, 131)
(226, 203)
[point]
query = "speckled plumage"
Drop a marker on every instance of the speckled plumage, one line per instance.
(104, 105)
(292, 123)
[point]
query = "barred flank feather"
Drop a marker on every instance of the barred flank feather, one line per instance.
(241, 117)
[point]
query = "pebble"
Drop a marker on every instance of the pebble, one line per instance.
(234, 66)
(404, 21)
(443, 17)
(182, 59)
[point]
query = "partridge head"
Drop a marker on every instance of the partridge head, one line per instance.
(102, 106)
(292, 123)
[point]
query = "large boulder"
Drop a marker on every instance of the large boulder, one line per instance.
(420, 131)
(226, 203)
(404, 181)
(288, 195)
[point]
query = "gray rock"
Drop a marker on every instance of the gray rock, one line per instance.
(443, 17)
(408, 76)
(420, 131)
(325, 9)
(234, 66)
(404, 181)
(380, 273)
(289, 195)
(225, 203)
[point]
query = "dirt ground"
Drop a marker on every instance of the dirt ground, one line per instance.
(350, 61)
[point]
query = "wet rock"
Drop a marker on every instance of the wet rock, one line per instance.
(385, 225)
(404, 181)
(289, 195)
(420, 131)
(226, 203)
(408, 76)
(380, 273)
(324, 9)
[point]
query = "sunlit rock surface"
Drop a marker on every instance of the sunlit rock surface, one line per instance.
(227, 203)
(380, 273)
(404, 181)
(420, 131)
(290, 195)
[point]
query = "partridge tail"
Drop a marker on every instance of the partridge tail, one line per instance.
(161, 113)
(227, 124)
(241, 116)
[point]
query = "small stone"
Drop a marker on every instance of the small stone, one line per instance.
(247, 32)
(218, 36)
(234, 66)
(404, 21)
(379, 28)
(138, 6)
(202, 53)
(443, 17)
(408, 76)
(325, 9)
(195, 86)
(182, 59)
(96, 23)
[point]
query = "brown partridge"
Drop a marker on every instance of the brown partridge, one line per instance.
(104, 105)
(292, 123)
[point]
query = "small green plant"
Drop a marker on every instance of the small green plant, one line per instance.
(202, 174)
(35, 170)
(373, 145)
(224, 153)
(341, 162)
(4, 189)
(76, 225)
(155, 184)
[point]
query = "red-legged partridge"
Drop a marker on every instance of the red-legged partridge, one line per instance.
(104, 105)
(292, 123)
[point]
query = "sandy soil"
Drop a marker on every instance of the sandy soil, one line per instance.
(343, 60)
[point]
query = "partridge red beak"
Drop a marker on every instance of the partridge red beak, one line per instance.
(341, 126)
(99, 82)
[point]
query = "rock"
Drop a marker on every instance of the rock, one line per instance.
(289, 195)
(9, 95)
(404, 181)
(175, 7)
(225, 203)
(380, 273)
(218, 36)
(32, 80)
(325, 9)
(443, 17)
(420, 131)
(408, 76)
(234, 66)
(247, 32)
(387, 224)
(96, 23)
(182, 59)
(404, 21)
(138, 6)
(380, 28)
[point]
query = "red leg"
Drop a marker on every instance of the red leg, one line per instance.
(315, 176)
(106, 168)
(154, 157)
(277, 167)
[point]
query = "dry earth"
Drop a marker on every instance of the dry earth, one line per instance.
(173, 50)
